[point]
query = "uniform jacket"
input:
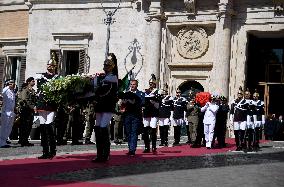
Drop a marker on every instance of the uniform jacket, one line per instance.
(210, 110)
(9, 100)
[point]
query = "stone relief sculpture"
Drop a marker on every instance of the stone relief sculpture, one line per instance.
(192, 42)
(190, 6)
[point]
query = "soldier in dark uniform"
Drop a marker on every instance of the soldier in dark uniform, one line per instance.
(27, 102)
(238, 116)
(150, 115)
(165, 112)
(178, 115)
(221, 121)
(106, 88)
(259, 117)
(47, 112)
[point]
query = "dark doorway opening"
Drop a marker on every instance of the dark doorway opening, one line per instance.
(71, 62)
(265, 71)
(190, 86)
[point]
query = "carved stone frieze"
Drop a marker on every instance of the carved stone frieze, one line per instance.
(190, 6)
(192, 42)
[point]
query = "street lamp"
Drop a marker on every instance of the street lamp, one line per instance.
(108, 21)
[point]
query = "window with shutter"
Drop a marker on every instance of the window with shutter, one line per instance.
(22, 71)
(82, 61)
(59, 59)
(2, 63)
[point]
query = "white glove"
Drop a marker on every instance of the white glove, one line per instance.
(231, 118)
(248, 119)
(172, 116)
(262, 119)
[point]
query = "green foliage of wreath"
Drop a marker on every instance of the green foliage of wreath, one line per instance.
(65, 90)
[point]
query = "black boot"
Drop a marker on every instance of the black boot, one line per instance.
(176, 135)
(44, 142)
(98, 135)
(162, 135)
(105, 143)
(146, 139)
(52, 140)
(242, 139)
(154, 139)
(237, 139)
(166, 130)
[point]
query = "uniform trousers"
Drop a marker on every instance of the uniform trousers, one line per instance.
(209, 133)
(6, 127)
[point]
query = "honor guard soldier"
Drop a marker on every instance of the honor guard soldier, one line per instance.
(150, 115)
(106, 88)
(165, 112)
(258, 116)
(47, 112)
(178, 115)
(238, 117)
(250, 128)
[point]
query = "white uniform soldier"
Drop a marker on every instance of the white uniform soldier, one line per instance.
(179, 115)
(7, 115)
(259, 118)
(209, 120)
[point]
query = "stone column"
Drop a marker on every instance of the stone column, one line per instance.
(220, 77)
(152, 43)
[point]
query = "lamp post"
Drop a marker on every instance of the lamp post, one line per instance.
(108, 21)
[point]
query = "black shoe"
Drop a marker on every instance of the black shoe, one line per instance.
(44, 156)
(176, 144)
(117, 142)
(97, 160)
(195, 146)
(5, 146)
(146, 151)
(77, 143)
(188, 142)
(29, 144)
(238, 149)
(8, 142)
(64, 142)
(89, 142)
(154, 150)
(208, 147)
(131, 153)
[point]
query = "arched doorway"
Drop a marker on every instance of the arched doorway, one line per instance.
(192, 86)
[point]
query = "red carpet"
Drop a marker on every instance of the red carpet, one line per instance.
(26, 172)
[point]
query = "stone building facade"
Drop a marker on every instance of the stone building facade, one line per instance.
(14, 23)
(200, 44)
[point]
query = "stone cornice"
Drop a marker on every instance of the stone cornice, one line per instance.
(13, 40)
(87, 35)
(74, 1)
(191, 65)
